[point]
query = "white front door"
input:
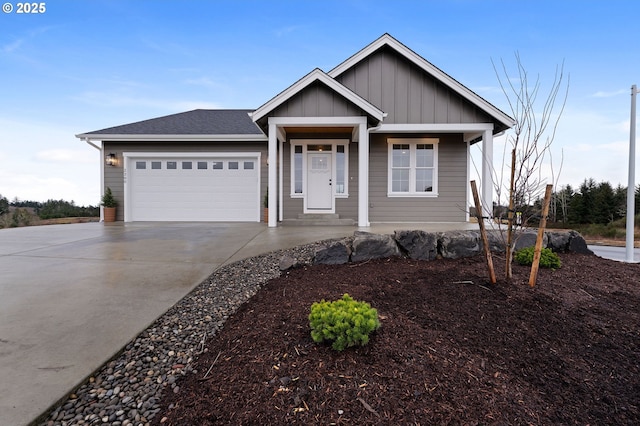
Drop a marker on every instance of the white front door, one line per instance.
(319, 184)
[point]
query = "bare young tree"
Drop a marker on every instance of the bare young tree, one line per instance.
(536, 122)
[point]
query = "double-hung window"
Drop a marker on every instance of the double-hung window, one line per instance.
(413, 167)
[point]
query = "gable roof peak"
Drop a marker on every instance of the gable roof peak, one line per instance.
(316, 75)
(387, 40)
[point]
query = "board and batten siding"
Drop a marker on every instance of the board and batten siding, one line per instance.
(449, 206)
(407, 93)
(317, 100)
(114, 176)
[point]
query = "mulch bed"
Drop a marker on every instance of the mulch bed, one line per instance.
(452, 349)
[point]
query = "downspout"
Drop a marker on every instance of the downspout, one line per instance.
(101, 149)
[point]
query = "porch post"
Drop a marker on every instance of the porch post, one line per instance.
(273, 175)
(363, 174)
(487, 173)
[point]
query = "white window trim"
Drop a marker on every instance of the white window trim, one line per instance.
(334, 163)
(412, 142)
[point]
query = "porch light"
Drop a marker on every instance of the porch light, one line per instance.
(111, 159)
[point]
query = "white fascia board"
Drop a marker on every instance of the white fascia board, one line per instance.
(186, 138)
(435, 127)
(386, 39)
(317, 75)
(317, 121)
(192, 154)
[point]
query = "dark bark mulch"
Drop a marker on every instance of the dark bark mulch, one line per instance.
(452, 349)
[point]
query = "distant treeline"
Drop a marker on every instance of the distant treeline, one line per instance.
(50, 209)
(591, 203)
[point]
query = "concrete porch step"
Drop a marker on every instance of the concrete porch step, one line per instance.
(318, 219)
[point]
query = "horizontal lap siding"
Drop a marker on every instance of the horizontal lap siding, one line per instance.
(292, 206)
(114, 177)
(449, 206)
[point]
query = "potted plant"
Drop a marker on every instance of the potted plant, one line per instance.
(265, 204)
(109, 203)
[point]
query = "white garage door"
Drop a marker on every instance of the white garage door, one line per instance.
(193, 188)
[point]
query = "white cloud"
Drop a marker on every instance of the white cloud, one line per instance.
(38, 188)
(280, 32)
(205, 82)
(11, 47)
(66, 156)
(107, 99)
(603, 94)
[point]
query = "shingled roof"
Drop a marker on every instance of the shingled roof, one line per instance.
(196, 122)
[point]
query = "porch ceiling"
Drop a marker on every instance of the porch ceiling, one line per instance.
(323, 130)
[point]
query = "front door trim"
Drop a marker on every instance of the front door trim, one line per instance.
(311, 146)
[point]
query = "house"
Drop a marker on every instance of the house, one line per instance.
(383, 137)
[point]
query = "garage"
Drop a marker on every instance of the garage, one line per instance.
(204, 187)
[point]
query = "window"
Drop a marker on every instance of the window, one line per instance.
(413, 167)
(186, 165)
(248, 165)
(233, 165)
(341, 169)
(172, 165)
(156, 165)
(141, 165)
(300, 163)
(297, 169)
(202, 165)
(217, 165)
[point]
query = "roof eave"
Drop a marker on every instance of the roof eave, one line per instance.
(418, 60)
(165, 137)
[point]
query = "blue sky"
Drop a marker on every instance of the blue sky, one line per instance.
(87, 65)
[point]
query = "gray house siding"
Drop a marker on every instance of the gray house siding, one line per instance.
(407, 93)
(449, 206)
(114, 177)
(347, 208)
(317, 100)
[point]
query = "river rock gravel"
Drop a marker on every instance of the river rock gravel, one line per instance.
(126, 390)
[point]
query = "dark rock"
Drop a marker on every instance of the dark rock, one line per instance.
(577, 244)
(456, 244)
(496, 241)
(558, 241)
(368, 246)
(287, 262)
(528, 239)
(419, 245)
(336, 253)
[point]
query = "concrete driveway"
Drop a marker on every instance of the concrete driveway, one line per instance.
(71, 296)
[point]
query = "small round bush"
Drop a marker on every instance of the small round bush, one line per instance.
(344, 322)
(548, 259)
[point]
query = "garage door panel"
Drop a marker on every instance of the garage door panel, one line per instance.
(162, 194)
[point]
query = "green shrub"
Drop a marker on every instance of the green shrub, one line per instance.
(548, 259)
(344, 322)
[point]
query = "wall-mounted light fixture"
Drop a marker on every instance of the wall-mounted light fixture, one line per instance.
(111, 159)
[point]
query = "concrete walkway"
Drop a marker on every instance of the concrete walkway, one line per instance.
(71, 296)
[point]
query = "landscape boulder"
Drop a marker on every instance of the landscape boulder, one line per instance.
(558, 241)
(367, 246)
(418, 245)
(577, 244)
(456, 244)
(334, 253)
(528, 239)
